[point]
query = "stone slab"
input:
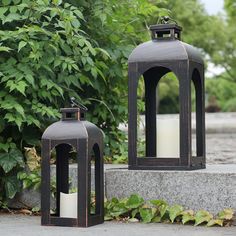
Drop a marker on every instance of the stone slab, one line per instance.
(19, 225)
(213, 188)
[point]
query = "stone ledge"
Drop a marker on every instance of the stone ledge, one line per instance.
(213, 188)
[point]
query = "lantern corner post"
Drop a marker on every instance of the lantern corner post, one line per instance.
(182, 71)
(133, 76)
(83, 183)
(197, 73)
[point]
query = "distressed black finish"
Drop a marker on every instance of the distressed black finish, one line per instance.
(153, 59)
(73, 131)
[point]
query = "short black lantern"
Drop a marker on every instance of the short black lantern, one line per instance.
(73, 132)
(153, 59)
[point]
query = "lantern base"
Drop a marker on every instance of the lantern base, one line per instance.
(73, 222)
(154, 163)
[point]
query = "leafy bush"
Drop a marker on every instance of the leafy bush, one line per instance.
(51, 50)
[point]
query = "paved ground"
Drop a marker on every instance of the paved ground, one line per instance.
(221, 148)
(18, 225)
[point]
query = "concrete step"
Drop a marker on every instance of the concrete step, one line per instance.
(212, 189)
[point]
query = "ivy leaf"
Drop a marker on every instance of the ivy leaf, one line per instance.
(2, 11)
(175, 211)
(156, 219)
(187, 216)
(9, 160)
(118, 209)
(147, 214)
(215, 222)
(21, 45)
(134, 212)
(21, 87)
(12, 186)
(79, 14)
(202, 216)
(158, 203)
(163, 210)
(4, 49)
(134, 201)
(6, 2)
(226, 214)
(133, 220)
(57, 2)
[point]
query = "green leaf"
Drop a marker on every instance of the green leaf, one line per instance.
(6, 2)
(133, 220)
(79, 14)
(12, 186)
(21, 45)
(19, 109)
(147, 214)
(57, 2)
(134, 212)
(202, 216)
(226, 214)
(4, 49)
(2, 11)
(163, 210)
(175, 211)
(156, 219)
(187, 216)
(134, 201)
(215, 222)
(4, 146)
(158, 202)
(9, 160)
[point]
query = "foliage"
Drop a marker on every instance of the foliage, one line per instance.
(223, 91)
(52, 50)
(11, 160)
(135, 209)
(30, 176)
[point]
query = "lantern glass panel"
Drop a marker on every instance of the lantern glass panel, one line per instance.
(95, 184)
(64, 184)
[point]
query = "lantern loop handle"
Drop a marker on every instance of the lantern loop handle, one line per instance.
(166, 20)
(77, 104)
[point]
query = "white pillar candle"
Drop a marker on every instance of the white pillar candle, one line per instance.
(168, 137)
(68, 205)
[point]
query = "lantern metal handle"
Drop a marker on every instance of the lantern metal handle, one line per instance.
(75, 103)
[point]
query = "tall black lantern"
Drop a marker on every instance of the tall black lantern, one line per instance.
(153, 59)
(73, 132)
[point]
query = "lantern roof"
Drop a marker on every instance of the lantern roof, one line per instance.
(165, 46)
(72, 126)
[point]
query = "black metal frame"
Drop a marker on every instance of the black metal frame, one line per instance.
(89, 138)
(186, 70)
